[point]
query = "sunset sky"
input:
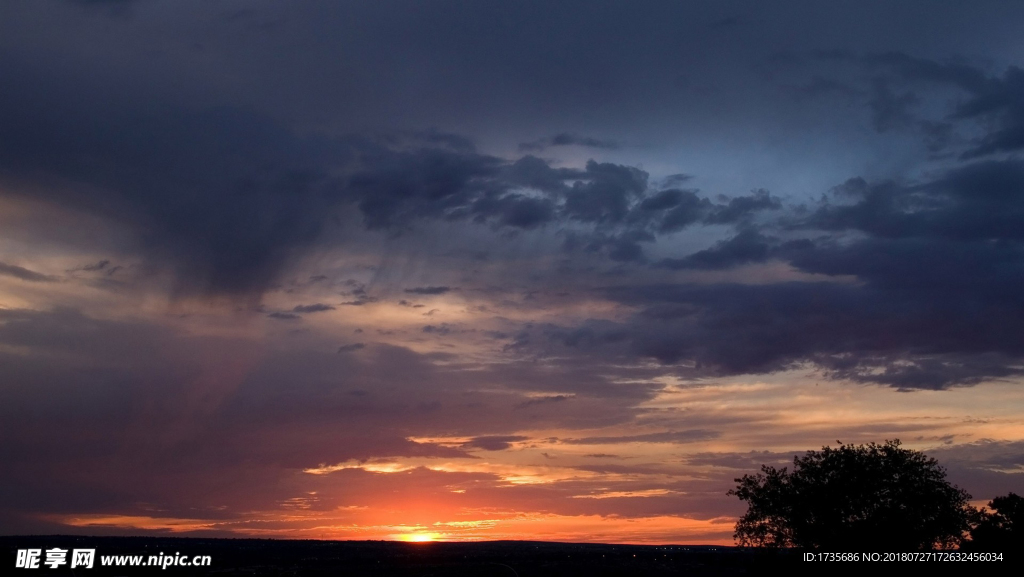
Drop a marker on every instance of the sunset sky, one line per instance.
(468, 270)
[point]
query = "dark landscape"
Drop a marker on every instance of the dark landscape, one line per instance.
(388, 558)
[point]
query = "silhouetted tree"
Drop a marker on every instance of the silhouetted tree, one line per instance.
(1003, 528)
(854, 498)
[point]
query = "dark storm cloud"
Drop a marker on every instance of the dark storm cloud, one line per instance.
(578, 69)
(870, 334)
(222, 195)
(945, 256)
(926, 291)
(608, 194)
(403, 186)
(684, 208)
(939, 270)
(675, 209)
(994, 100)
(742, 207)
(1002, 101)
(532, 172)
(928, 278)
(229, 198)
(515, 210)
(640, 219)
(981, 200)
(749, 246)
(622, 247)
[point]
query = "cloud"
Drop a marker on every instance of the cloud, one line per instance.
(24, 274)
(227, 199)
(966, 203)
(742, 207)
(667, 199)
(532, 172)
(865, 334)
(917, 286)
(545, 400)
(891, 111)
(639, 303)
(749, 246)
(996, 100)
(96, 266)
(689, 436)
(606, 195)
(429, 290)
(405, 186)
(225, 222)
(751, 461)
(401, 186)
(493, 442)
(313, 308)
(442, 329)
(683, 208)
(989, 468)
(675, 209)
(168, 402)
(566, 139)
(515, 210)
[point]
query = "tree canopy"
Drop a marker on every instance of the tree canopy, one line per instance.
(863, 497)
(1002, 528)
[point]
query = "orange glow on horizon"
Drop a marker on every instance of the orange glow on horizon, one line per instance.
(504, 526)
(624, 483)
(419, 537)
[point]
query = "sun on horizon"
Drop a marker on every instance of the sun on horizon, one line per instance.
(419, 537)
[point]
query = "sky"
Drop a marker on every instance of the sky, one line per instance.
(464, 270)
